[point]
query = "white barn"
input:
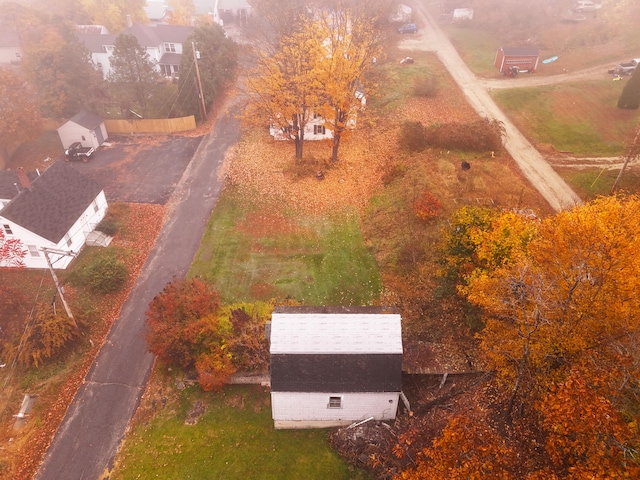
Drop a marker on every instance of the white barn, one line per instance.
(57, 210)
(331, 366)
(85, 127)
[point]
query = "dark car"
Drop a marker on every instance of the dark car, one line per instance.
(77, 152)
(408, 28)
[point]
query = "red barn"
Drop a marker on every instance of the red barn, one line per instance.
(525, 58)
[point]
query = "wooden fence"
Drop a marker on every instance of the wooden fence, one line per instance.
(157, 125)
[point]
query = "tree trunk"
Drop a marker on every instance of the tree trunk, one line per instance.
(299, 143)
(516, 387)
(336, 145)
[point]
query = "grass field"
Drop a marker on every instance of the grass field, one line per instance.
(233, 439)
(256, 254)
(567, 118)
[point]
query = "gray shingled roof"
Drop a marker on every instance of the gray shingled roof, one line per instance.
(8, 179)
(517, 51)
(95, 42)
(54, 201)
(88, 120)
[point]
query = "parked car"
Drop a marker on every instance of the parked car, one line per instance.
(408, 28)
(582, 7)
(627, 68)
(77, 152)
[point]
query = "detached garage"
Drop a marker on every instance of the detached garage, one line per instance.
(332, 366)
(525, 58)
(84, 127)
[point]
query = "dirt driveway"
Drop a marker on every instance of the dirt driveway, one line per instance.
(532, 164)
(140, 169)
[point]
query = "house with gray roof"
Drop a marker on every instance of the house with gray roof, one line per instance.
(333, 366)
(163, 44)
(57, 210)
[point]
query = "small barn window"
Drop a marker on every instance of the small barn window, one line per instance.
(33, 251)
(95, 206)
(7, 229)
(83, 139)
(67, 237)
(335, 402)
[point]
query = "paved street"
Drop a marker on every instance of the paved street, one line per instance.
(95, 424)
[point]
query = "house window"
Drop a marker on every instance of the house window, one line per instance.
(316, 115)
(95, 206)
(83, 139)
(319, 129)
(335, 402)
(170, 47)
(68, 240)
(7, 229)
(33, 251)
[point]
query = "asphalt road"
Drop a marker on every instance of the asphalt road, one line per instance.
(95, 424)
(532, 164)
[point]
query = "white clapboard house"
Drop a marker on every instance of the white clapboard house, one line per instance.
(57, 210)
(332, 366)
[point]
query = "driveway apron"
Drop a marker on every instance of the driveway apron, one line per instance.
(95, 424)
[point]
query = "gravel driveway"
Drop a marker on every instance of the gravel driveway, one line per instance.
(533, 165)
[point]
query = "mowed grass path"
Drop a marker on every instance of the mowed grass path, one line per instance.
(256, 253)
(233, 439)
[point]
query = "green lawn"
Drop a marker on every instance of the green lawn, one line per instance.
(233, 439)
(317, 260)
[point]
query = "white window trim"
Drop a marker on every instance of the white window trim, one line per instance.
(335, 401)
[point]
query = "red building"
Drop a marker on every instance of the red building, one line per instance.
(525, 58)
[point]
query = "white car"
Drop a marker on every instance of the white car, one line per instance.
(583, 7)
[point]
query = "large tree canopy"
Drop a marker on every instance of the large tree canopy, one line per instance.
(562, 333)
(216, 63)
(113, 13)
(20, 119)
(133, 74)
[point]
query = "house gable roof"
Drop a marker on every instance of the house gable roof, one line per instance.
(335, 330)
(53, 202)
(520, 51)
(88, 120)
(154, 35)
(8, 181)
(96, 42)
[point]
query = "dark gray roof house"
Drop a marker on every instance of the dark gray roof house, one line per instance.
(58, 209)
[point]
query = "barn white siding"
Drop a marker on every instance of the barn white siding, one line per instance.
(312, 410)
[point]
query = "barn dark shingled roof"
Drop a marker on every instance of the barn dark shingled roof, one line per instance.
(54, 201)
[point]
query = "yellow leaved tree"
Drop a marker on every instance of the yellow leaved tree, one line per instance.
(572, 298)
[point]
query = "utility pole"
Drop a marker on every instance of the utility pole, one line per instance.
(196, 55)
(46, 252)
(634, 151)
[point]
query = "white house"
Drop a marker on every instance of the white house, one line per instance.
(316, 128)
(85, 127)
(57, 210)
(163, 44)
(10, 45)
(332, 366)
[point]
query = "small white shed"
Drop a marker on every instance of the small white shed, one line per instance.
(331, 366)
(84, 127)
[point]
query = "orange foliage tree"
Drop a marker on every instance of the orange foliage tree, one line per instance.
(573, 296)
(184, 329)
(469, 448)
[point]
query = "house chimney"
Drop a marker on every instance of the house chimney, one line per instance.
(129, 21)
(22, 177)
